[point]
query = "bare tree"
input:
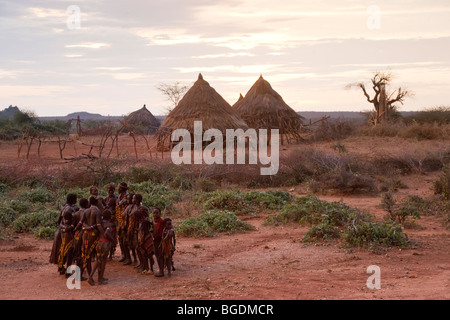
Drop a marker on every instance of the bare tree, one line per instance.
(173, 92)
(383, 102)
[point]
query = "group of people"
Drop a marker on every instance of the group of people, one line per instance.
(91, 232)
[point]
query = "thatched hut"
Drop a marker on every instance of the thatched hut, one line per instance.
(263, 108)
(142, 120)
(200, 103)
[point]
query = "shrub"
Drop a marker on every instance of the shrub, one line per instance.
(20, 206)
(311, 210)
(39, 194)
(155, 195)
(346, 182)
(227, 200)
(181, 182)
(244, 202)
(373, 234)
(45, 233)
(211, 222)
(440, 115)
(7, 215)
(206, 185)
(399, 213)
(392, 184)
(30, 221)
(272, 199)
(141, 174)
(322, 231)
(442, 186)
(335, 220)
(3, 188)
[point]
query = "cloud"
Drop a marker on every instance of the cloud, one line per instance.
(224, 55)
(48, 13)
(249, 69)
(89, 45)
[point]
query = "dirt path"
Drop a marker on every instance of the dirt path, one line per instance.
(269, 263)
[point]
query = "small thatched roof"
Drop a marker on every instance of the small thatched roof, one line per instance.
(143, 119)
(263, 108)
(201, 103)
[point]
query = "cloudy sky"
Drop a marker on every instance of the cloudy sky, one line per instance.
(110, 57)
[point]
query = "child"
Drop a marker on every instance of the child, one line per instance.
(145, 244)
(168, 245)
(158, 227)
(106, 240)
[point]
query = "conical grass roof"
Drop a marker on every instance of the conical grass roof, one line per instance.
(201, 103)
(263, 108)
(143, 119)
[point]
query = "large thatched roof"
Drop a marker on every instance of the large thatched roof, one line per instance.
(201, 103)
(263, 108)
(143, 119)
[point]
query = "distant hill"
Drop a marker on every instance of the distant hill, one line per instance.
(316, 115)
(342, 115)
(308, 115)
(9, 112)
(83, 116)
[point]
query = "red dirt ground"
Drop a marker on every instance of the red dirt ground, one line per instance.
(268, 263)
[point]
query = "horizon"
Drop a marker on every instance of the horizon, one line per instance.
(108, 58)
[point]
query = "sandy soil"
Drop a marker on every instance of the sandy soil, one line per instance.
(268, 263)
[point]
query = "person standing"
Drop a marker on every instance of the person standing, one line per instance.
(92, 228)
(168, 243)
(109, 202)
(121, 204)
(69, 206)
(103, 247)
(78, 232)
(158, 227)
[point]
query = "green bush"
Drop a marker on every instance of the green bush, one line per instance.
(3, 188)
(227, 200)
(211, 222)
(322, 231)
(30, 221)
(20, 206)
(38, 194)
(335, 220)
(141, 174)
(399, 213)
(7, 215)
(244, 202)
(442, 186)
(206, 185)
(373, 234)
(181, 182)
(45, 233)
(155, 195)
(311, 210)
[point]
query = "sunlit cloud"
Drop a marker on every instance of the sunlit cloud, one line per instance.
(73, 55)
(113, 68)
(250, 69)
(48, 12)
(89, 45)
(8, 74)
(224, 55)
(19, 91)
(128, 76)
